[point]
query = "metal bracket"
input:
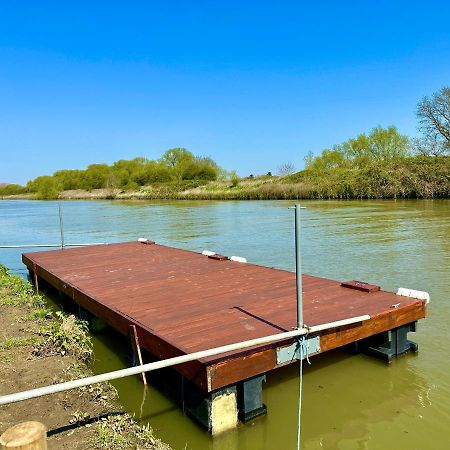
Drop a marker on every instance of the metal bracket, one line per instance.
(292, 352)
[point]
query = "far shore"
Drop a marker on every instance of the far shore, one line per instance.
(413, 178)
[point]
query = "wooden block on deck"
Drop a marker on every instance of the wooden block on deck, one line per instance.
(360, 286)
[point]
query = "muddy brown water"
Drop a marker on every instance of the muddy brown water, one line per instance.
(349, 402)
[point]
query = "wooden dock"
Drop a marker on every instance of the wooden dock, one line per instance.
(181, 302)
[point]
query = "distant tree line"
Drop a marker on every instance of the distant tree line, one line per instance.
(176, 165)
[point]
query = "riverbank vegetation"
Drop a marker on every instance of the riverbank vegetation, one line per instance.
(44, 347)
(382, 163)
(376, 165)
(176, 166)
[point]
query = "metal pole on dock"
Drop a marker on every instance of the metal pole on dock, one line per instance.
(61, 225)
(298, 267)
(299, 291)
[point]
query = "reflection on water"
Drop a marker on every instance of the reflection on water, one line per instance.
(350, 402)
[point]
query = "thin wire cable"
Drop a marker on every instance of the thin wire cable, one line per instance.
(49, 245)
(304, 350)
(300, 389)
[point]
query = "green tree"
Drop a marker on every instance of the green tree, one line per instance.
(70, 179)
(45, 186)
(388, 143)
(201, 168)
(95, 176)
(12, 189)
(381, 144)
(177, 156)
(126, 170)
(177, 160)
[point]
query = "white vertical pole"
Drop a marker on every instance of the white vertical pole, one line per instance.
(61, 225)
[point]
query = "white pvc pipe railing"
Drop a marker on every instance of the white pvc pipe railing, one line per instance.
(60, 387)
(50, 245)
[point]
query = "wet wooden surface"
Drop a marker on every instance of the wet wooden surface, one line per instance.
(182, 302)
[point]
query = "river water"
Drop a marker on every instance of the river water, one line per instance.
(349, 402)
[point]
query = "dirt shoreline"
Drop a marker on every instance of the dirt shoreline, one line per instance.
(38, 348)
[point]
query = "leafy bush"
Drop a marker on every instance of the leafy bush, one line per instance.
(15, 291)
(12, 189)
(234, 178)
(176, 165)
(66, 335)
(408, 177)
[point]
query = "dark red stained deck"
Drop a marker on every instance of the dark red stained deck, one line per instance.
(181, 302)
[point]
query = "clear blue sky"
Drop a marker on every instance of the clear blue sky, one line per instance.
(251, 84)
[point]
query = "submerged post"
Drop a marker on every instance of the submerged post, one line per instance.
(61, 225)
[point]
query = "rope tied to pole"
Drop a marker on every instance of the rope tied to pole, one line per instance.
(303, 348)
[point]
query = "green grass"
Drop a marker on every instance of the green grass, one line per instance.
(39, 314)
(120, 432)
(60, 334)
(66, 335)
(15, 291)
(14, 342)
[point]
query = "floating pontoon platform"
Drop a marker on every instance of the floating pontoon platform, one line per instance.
(181, 302)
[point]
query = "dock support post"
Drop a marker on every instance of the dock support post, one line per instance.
(386, 345)
(249, 397)
(25, 436)
(223, 411)
(36, 281)
(216, 411)
(137, 351)
(393, 343)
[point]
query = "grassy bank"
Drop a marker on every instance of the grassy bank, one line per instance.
(415, 177)
(409, 177)
(40, 347)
